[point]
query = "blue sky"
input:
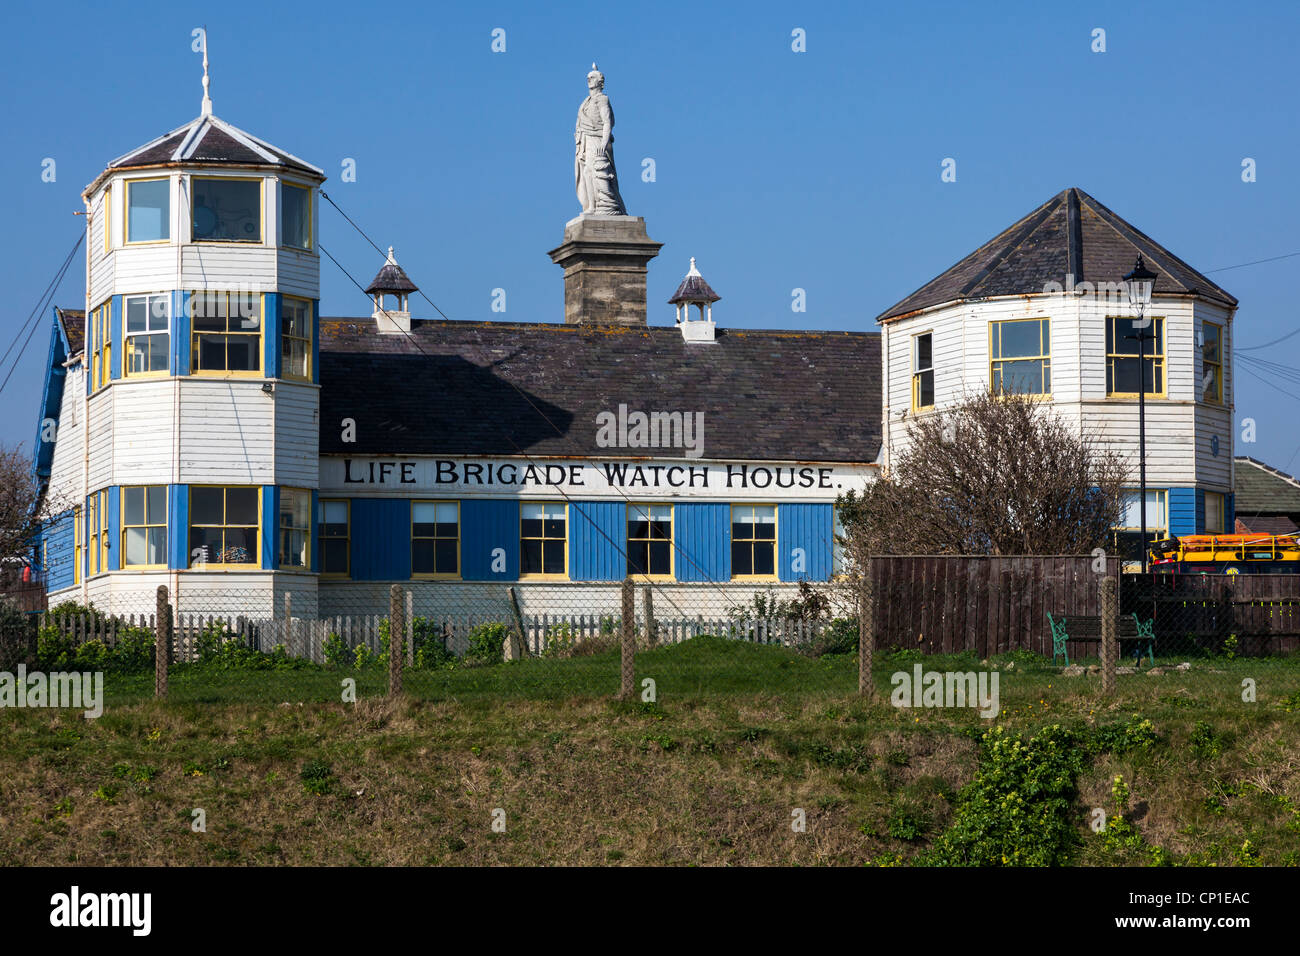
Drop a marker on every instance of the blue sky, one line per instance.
(818, 170)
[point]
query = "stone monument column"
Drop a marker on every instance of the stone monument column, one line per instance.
(605, 251)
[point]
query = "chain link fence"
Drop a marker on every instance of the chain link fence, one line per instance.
(440, 640)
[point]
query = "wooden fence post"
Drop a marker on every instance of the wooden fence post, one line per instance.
(396, 637)
(410, 629)
(626, 689)
(162, 643)
(519, 624)
(866, 632)
(1109, 625)
(651, 629)
(288, 623)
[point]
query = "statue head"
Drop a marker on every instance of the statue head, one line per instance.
(595, 79)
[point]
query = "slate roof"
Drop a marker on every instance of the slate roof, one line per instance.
(391, 278)
(498, 388)
(73, 323)
(1071, 234)
(1266, 524)
(1262, 489)
(208, 140)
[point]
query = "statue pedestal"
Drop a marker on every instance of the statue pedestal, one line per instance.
(604, 260)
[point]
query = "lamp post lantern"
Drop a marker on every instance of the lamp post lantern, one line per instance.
(1139, 284)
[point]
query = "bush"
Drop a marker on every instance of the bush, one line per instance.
(57, 651)
(17, 633)
(838, 637)
(335, 651)
(220, 649)
(486, 643)
(430, 645)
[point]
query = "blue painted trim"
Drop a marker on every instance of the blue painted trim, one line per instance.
(380, 548)
(806, 527)
(114, 527)
(51, 399)
(271, 339)
(178, 527)
(1230, 513)
(703, 533)
(115, 321)
(270, 533)
(1183, 511)
(597, 540)
(179, 360)
(488, 524)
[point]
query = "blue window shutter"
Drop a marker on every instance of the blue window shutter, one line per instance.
(1200, 511)
(487, 524)
(180, 350)
(271, 338)
(114, 528)
(1182, 511)
(115, 338)
(702, 533)
(597, 540)
(270, 527)
(1229, 514)
(806, 528)
(178, 526)
(381, 539)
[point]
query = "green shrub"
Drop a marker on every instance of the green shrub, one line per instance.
(838, 637)
(1018, 810)
(486, 642)
(430, 645)
(16, 632)
(334, 651)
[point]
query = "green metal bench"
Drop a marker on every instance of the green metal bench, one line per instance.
(1087, 630)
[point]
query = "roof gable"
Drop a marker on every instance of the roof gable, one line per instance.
(1070, 239)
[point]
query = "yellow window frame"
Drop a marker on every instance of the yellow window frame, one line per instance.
(78, 544)
(286, 337)
(672, 538)
(322, 537)
(127, 336)
(104, 539)
(260, 371)
(148, 524)
(311, 220)
(126, 212)
(436, 575)
(281, 528)
(1217, 366)
(917, 373)
(538, 575)
(261, 210)
(1157, 358)
(997, 359)
(775, 539)
(256, 563)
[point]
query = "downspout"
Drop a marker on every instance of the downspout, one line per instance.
(85, 425)
(175, 582)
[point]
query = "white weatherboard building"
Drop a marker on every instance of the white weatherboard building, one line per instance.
(1041, 309)
(203, 427)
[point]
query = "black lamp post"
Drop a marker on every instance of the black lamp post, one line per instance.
(1139, 284)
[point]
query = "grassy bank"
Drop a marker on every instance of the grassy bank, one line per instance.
(713, 773)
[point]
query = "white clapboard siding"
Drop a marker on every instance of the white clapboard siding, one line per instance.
(65, 488)
(143, 449)
(142, 269)
(299, 273)
(102, 427)
(297, 434)
(226, 432)
(227, 266)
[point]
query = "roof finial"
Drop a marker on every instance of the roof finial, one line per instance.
(207, 100)
(694, 271)
(390, 256)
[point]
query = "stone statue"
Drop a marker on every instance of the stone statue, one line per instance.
(593, 163)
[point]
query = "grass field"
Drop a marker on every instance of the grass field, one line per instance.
(741, 740)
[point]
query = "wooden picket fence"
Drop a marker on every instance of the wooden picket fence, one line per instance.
(305, 637)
